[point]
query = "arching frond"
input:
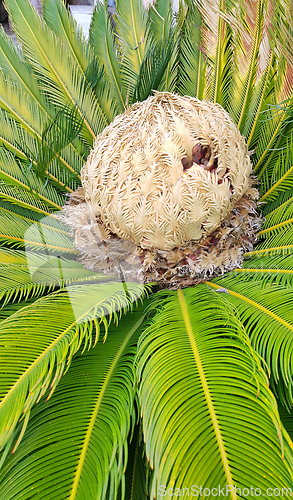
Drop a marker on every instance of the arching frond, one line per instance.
(23, 198)
(278, 235)
(20, 175)
(153, 69)
(13, 137)
(266, 312)
(27, 274)
(46, 350)
(131, 23)
(249, 76)
(19, 232)
(61, 77)
(17, 69)
(192, 347)
(281, 177)
(192, 58)
(61, 21)
(268, 269)
(102, 41)
(30, 213)
(223, 65)
(160, 19)
(89, 419)
(19, 106)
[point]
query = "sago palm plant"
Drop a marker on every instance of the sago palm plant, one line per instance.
(112, 388)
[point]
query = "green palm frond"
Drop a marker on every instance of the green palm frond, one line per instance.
(56, 136)
(90, 427)
(266, 312)
(153, 68)
(268, 269)
(180, 392)
(281, 178)
(262, 95)
(131, 25)
(62, 78)
(137, 472)
(17, 68)
(10, 309)
(286, 419)
(160, 19)
(19, 106)
(13, 138)
(276, 133)
(27, 104)
(46, 350)
(279, 235)
(20, 175)
(223, 65)
(250, 75)
(60, 20)
(163, 32)
(26, 274)
(18, 231)
(23, 198)
(214, 435)
(282, 212)
(31, 213)
(192, 59)
(102, 41)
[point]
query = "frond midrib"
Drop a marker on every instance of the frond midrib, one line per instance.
(206, 390)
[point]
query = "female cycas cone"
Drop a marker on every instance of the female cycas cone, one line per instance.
(166, 194)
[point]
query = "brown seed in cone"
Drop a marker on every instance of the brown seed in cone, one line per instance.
(186, 162)
(197, 154)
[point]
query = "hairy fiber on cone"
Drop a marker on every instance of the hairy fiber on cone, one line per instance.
(166, 194)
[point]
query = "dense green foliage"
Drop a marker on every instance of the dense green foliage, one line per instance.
(109, 390)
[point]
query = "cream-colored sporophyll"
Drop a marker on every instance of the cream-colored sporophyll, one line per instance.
(166, 194)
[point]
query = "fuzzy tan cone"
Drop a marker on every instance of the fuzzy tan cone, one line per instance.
(166, 194)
